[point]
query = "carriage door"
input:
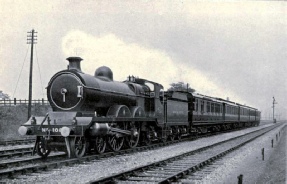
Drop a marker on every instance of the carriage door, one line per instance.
(223, 112)
(191, 101)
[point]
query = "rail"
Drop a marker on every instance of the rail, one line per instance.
(15, 102)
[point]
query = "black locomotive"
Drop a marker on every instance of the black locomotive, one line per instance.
(91, 112)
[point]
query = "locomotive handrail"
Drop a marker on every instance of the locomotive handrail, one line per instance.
(114, 92)
(123, 119)
(43, 121)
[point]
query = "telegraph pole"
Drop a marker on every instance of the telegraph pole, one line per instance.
(273, 106)
(31, 38)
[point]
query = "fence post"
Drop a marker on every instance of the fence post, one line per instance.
(42, 101)
(272, 142)
(240, 179)
(262, 152)
(276, 137)
(14, 101)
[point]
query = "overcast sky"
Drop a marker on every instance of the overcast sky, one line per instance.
(223, 49)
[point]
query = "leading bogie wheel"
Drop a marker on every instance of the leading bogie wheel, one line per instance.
(42, 147)
(78, 146)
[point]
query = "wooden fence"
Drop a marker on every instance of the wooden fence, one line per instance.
(14, 102)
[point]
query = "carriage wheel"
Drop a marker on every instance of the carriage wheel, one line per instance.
(42, 147)
(78, 146)
(100, 145)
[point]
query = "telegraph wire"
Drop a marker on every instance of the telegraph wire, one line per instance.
(39, 72)
(21, 71)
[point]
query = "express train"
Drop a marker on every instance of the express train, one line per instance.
(95, 113)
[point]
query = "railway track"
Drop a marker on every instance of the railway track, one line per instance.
(17, 141)
(185, 167)
(18, 167)
(9, 153)
(14, 168)
(25, 163)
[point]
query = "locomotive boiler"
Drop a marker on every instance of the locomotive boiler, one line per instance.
(92, 113)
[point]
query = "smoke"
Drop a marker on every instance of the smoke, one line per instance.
(133, 59)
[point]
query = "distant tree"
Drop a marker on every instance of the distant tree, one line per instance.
(180, 86)
(4, 96)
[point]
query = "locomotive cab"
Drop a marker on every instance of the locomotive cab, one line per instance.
(150, 96)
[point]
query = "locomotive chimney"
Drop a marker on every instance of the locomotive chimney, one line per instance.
(74, 63)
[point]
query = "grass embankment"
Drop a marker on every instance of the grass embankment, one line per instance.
(12, 117)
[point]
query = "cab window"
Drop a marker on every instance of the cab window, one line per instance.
(150, 86)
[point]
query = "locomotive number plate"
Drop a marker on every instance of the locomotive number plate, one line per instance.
(52, 129)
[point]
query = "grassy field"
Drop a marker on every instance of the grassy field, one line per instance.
(12, 117)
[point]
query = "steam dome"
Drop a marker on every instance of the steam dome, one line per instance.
(104, 71)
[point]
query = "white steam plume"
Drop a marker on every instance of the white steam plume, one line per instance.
(133, 59)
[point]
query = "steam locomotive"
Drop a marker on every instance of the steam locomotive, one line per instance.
(93, 113)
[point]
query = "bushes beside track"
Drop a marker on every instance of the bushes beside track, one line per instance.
(12, 117)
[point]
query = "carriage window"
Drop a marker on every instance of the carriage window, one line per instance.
(202, 106)
(196, 105)
(217, 108)
(208, 107)
(212, 107)
(228, 109)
